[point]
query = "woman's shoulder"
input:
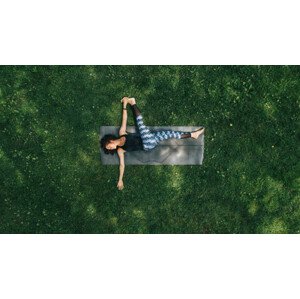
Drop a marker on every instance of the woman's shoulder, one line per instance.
(120, 150)
(130, 134)
(125, 133)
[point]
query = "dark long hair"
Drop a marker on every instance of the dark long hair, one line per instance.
(105, 140)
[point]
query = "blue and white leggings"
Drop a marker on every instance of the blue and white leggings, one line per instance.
(152, 138)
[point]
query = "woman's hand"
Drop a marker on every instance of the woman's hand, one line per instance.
(125, 100)
(120, 185)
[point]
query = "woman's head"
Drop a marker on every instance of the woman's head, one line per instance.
(108, 144)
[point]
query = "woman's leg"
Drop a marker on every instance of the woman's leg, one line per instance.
(148, 137)
(152, 138)
(168, 134)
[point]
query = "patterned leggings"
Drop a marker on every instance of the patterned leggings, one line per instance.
(152, 138)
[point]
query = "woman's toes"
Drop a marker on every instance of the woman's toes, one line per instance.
(201, 131)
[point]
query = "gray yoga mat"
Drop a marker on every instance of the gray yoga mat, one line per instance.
(187, 151)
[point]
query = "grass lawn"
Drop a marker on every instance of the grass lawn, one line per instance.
(52, 180)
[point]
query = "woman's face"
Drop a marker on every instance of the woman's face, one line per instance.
(111, 145)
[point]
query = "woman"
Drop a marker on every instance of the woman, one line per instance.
(144, 140)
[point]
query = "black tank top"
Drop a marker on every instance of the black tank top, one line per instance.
(133, 142)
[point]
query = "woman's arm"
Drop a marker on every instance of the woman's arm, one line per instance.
(124, 117)
(120, 184)
(121, 168)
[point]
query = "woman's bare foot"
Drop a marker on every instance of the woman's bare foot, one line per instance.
(131, 101)
(197, 133)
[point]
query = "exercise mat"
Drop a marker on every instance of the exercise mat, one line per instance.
(187, 151)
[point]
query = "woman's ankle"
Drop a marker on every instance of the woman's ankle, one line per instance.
(186, 135)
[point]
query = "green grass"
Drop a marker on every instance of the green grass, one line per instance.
(52, 180)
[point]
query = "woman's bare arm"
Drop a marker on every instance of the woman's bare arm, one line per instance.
(124, 117)
(121, 168)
